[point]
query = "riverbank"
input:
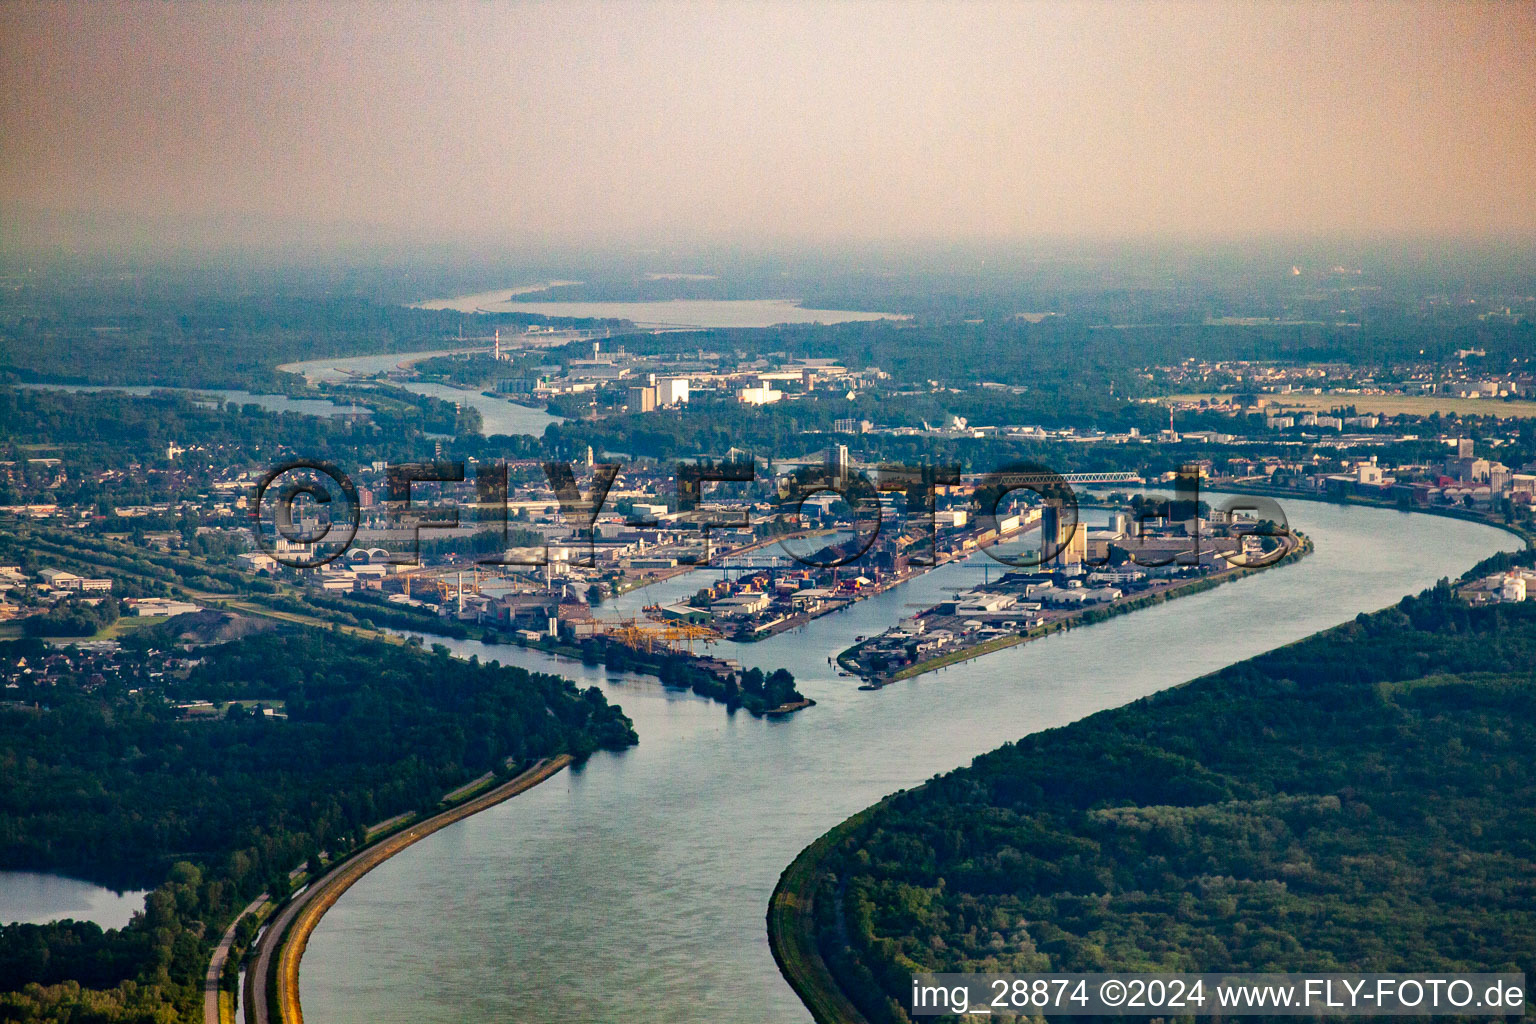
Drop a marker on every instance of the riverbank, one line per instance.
(794, 932)
(792, 928)
(798, 619)
(218, 1001)
(795, 620)
(1464, 515)
(1227, 783)
(709, 809)
(702, 674)
(272, 983)
(848, 659)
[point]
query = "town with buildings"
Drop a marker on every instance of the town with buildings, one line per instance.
(534, 566)
(1075, 571)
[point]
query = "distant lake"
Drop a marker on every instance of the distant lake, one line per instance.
(271, 403)
(30, 897)
(670, 313)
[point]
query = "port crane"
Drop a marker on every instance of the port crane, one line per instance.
(652, 631)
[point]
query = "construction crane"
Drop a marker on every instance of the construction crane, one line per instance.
(646, 634)
(629, 633)
(687, 632)
(435, 581)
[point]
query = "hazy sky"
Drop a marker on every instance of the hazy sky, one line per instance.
(773, 121)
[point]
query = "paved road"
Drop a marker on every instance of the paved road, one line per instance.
(266, 948)
(216, 965)
(280, 962)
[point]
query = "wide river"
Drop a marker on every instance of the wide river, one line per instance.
(497, 416)
(634, 889)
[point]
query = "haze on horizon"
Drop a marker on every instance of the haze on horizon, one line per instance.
(611, 124)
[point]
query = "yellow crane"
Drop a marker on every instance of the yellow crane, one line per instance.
(443, 582)
(646, 634)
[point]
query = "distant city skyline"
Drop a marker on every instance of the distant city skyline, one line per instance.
(287, 126)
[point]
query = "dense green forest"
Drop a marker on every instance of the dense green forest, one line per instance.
(1363, 800)
(72, 618)
(136, 571)
(110, 784)
(754, 690)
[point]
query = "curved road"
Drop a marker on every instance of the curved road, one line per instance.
(276, 949)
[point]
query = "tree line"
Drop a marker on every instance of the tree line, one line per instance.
(116, 787)
(1360, 801)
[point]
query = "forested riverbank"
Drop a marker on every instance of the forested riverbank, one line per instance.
(139, 779)
(710, 807)
(1359, 800)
